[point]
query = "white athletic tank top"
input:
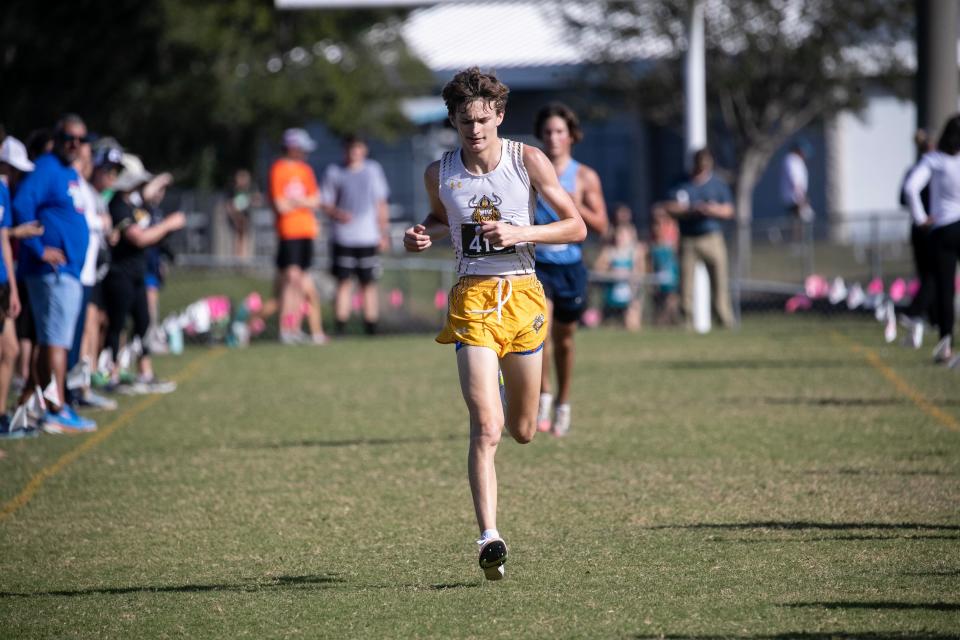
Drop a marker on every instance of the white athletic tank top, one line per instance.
(503, 194)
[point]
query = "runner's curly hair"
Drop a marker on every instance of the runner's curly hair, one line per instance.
(472, 84)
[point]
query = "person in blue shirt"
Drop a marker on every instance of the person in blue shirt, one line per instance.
(701, 204)
(51, 264)
(560, 266)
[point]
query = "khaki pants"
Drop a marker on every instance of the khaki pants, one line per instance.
(712, 251)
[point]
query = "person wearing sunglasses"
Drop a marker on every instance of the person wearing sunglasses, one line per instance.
(51, 263)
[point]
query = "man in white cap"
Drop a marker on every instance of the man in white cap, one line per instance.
(295, 198)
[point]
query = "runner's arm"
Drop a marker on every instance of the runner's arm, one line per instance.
(543, 178)
(590, 202)
(419, 237)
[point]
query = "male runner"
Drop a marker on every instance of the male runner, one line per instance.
(483, 195)
(560, 266)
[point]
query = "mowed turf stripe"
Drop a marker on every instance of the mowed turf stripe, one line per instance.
(901, 385)
(100, 435)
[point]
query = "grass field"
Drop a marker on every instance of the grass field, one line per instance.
(793, 480)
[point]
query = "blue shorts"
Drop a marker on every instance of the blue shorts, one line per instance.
(56, 301)
(566, 286)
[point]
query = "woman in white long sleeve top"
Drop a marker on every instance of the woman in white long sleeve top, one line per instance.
(941, 170)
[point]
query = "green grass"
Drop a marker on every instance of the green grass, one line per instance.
(768, 483)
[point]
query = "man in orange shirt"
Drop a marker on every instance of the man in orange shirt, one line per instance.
(295, 197)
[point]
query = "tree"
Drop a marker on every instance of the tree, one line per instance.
(192, 85)
(773, 66)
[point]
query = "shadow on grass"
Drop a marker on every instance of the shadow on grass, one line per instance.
(352, 442)
(852, 538)
(280, 582)
(826, 402)
(876, 472)
(949, 573)
(803, 525)
(833, 635)
(926, 606)
(749, 363)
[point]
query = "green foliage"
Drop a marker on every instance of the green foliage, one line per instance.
(175, 79)
(772, 67)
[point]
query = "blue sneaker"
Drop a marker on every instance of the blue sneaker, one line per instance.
(67, 421)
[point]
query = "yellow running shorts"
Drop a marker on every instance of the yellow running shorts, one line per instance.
(508, 316)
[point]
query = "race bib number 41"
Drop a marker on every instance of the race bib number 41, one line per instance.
(476, 246)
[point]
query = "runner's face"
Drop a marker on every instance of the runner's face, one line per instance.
(555, 136)
(477, 125)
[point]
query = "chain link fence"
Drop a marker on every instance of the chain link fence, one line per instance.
(773, 264)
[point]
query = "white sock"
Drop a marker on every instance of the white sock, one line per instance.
(546, 401)
(489, 533)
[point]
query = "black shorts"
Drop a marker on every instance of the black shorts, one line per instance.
(565, 285)
(295, 253)
(26, 328)
(364, 262)
(4, 302)
(96, 297)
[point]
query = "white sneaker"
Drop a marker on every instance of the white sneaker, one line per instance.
(855, 296)
(890, 323)
(493, 554)
(914, 327)
(942, 352)
(561, 420)
(838, 291)
(543, 413)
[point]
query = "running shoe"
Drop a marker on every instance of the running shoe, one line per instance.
(914, 329)
(543, 413)
(67, 421)
(561, 420)
(96, 401)
(493, 554)
(10, 431)
(890, 323)
(942, 352)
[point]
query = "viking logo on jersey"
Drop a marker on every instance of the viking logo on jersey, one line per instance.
(486, 209)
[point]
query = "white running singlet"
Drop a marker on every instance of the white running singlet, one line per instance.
(503, 194)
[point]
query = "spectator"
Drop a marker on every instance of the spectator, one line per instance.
(295, 197)
(941, 170)
(80, 362)
(355, 195)
(107, 162)
(158, 257)
(241, 201)
(924, 304)
(13, 157)
(623, 257)
(794, 182)
(124, 287)
(14, 163)
(51, 264)
(663, 264)
(700, 205)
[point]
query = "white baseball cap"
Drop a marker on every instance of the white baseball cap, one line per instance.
(133, 174)
(14, 154)
(299, 139)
